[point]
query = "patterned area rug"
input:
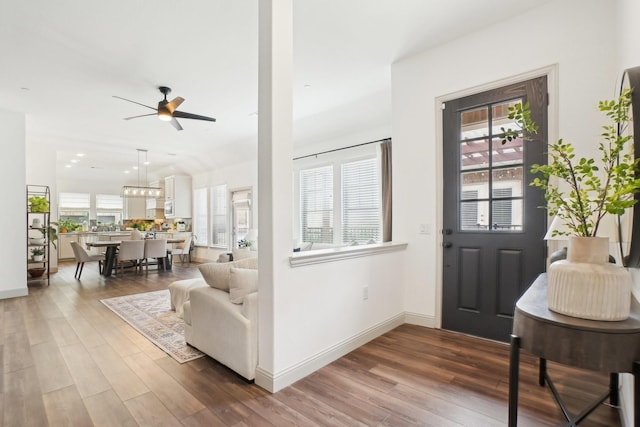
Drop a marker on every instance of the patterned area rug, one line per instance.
(150, 314)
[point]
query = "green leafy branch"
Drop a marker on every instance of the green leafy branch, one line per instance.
(594, 188)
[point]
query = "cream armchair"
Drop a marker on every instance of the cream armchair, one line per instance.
(221, 313)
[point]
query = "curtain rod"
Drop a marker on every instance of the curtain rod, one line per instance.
(343, 148)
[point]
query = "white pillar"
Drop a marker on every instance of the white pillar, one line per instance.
(275, 149)
(13, 214)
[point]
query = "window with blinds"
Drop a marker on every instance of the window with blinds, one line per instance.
(109, 202)
(109, 208)
(200, 216)
(219, 228)
(74, 206)
(74, 200)
(361, 202)
(316, 204)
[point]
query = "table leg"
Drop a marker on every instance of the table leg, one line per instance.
(613, 389)
(109, 259)
(636, 394)
(542, 371)
(514, 366)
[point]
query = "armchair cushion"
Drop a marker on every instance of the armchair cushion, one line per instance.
(217, 274)
(242, 282)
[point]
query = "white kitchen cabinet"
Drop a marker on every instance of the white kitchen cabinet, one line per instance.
(64, 245)
(155, 205)
(177, 192)
(135, 207)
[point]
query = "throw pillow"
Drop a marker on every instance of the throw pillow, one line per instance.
(216, 274)
(243, 253)
(246, 263)
(242, 282)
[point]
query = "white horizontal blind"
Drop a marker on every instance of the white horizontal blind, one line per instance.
(361, 204)
(109, 201)
(74, 200)
(219, 229)
(316, 204)
(200, 216)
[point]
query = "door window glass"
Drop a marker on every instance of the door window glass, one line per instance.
(491, 174)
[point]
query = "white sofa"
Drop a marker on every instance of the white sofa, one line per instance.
(221, 313)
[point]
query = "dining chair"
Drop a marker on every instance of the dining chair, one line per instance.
(154, 248)
(181, 249)
(130, 250)
(83, 256)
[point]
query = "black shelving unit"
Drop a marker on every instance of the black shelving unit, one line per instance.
(38, 226)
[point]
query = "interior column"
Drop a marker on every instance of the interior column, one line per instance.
(275, 148)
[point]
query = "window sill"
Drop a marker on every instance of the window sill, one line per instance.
(300, 259)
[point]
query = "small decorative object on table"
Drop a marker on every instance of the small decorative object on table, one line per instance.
(586, 285)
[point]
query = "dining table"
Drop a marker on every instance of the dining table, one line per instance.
(111, 252)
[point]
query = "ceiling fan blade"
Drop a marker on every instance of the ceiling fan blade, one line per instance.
(174, 103)
(142, 115)
(128, 100)
(175, 124)
(183, 115)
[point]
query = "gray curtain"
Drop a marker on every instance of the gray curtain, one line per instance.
(385, 167)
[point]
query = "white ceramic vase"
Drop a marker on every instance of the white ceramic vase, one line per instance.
(586, 285)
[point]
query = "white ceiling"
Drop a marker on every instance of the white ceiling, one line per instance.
(62, 61)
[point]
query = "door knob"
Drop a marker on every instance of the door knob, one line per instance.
(447, 245)
(447, 231)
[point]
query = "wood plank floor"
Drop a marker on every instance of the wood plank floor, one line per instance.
(69, 361)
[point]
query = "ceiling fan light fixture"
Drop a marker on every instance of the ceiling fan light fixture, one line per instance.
(164, 115)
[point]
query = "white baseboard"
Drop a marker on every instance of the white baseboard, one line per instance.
(14, 293)
(275, 382)
(420, 320)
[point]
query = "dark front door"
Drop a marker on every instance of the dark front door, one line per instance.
(493, 220)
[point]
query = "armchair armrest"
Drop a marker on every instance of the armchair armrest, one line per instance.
(250, 307)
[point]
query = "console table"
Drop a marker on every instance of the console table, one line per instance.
(612, 347)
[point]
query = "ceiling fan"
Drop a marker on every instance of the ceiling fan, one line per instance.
(166, 110)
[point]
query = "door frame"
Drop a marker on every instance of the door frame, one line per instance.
(551, 72)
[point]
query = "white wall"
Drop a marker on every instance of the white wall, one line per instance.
(13, 263)
(561, 33)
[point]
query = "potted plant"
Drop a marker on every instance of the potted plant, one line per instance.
(66, 226)
(581, 192)
(37, 254)
(50, 233)
(244, 244)
(38, 204)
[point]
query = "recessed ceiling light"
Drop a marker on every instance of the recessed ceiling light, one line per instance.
(126, 171)
(135, 168)
(146, 163)
(74, 160)
(67, 166)
(80, 154)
